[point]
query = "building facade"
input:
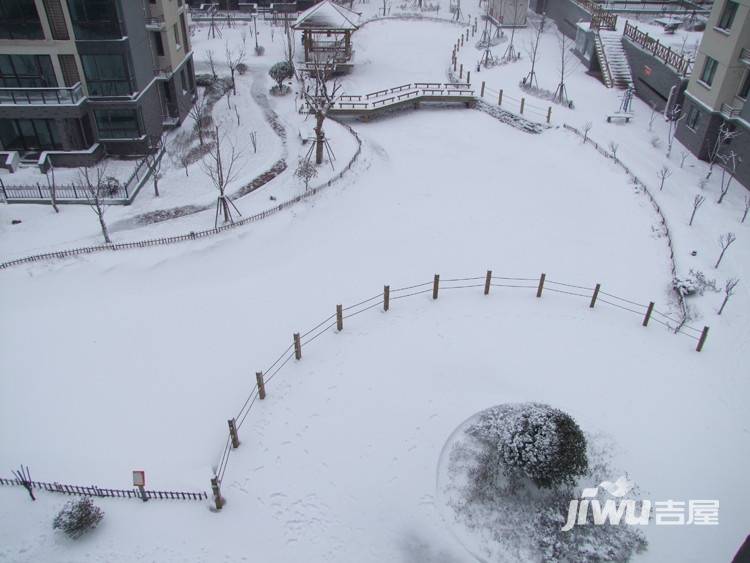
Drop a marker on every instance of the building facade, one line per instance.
(84, 78)
(719, 86)
(509, 13)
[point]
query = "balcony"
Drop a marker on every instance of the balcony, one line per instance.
(745, 56)
(42, 96)
(156, 23)
(729, 111)
(164, 73)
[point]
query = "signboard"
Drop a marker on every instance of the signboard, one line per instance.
(647, 70)
(139, 478)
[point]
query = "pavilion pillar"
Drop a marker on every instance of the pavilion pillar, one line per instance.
(347, 44)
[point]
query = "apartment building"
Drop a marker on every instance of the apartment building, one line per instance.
(719, 86)
(84, 78)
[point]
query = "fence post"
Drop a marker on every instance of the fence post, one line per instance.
(297, 347)
(339, 318)
(702, 340)
(487, 282)
(38, 187)
(455, 62)
(482, 93)
(549, 114)
(468, 76)
(386, 297)
(218, 499)
(541, 285)
(2, 185)
(233, 433)
(261, 385)
(596, 294)
(648, 313)
(461, 72)
(500, 98)
(523, 103)
(435, 285)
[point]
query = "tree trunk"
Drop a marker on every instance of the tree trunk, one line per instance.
(105, 231)
(319, 137)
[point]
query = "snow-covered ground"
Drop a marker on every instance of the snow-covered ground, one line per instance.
(136, 359)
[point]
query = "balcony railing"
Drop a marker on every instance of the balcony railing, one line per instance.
(42, 96)
(730, 111)
(745, 56)
(683, 65)
(155, 23)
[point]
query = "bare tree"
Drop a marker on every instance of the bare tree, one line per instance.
(586, 129)
(729, 167)
(235, 58)
(289, 48)
(674, 117)
(511, 54)
(222, 168)
(747, 208)
(722, 138)
(683, 158)
(200, 111)
(664, 173)
(254, 141)
(565, 65)
(321, 100)
(212, 64)
(306, 171)
(96, 187)
(697, 202)
(52, 185)
(613, 148)
(729, 287)
(23, 476)
(154, 159)
(533, 51)
(653, 116)
(725, 241)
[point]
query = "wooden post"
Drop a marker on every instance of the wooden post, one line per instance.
(297, 347)
(702, 339)
(461, 72)
(482, 93)
(386, 297)
(339, 318)
(435, 285)
(455, 61)
(596, 294)
(487, 282)
(218, 499)
(523, 103)
(233, 433)
(549, 114)
(648, 313)
(462, 40)
(541, 285)
(261, 385)
(500, 98)
(468, 76)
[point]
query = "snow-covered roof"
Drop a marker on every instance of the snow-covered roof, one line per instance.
(327, 15)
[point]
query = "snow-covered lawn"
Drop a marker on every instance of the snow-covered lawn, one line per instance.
(135, 360)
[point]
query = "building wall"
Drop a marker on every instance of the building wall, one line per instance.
(655, 82)
(565, 13)
(511, 13)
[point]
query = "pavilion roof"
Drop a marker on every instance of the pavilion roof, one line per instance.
(327, 15)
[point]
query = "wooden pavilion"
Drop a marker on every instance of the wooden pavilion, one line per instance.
(327, 30)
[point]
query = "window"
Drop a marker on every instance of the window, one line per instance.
(177, 37)
(106, 75)
(693, 118)
(29, 134)
(117, 123)
(95, 19)
(19, 20)
(27, 71)
(709, 70)
(745, 86)
(727, 16)
(185, 40)
(158, 43)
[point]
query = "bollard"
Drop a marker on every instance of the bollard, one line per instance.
(218, 499)
(261, 385)
(500, 98)
(702, 339)
(596, 294)
(339, 318)
(481, 95)
(435, 285)
(523, 103)
(648, 313)
(297, 347)
(233, 433)
(487, 282)
(386, 297)
(541, 285)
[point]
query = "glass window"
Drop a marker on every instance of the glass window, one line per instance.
(745, 86)
(19, 20)
(117, 123)
(95, 19)
(727, 16)
(29, 134)
(107, 75)
(159, 43)
(177, 36)
(709, 70)
(27, 71)
(693, 117)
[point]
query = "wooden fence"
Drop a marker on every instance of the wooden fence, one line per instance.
(680, 63)
(94, 491)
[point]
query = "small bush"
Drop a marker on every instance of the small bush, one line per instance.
(280, 72)
(242, 68)
(77, 517)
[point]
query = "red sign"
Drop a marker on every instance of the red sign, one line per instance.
(647, 70)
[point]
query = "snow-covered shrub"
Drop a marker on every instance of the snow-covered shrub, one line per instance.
(280, 72)
(694, 283)
(77, 517)
(242, 68)
(530, 440)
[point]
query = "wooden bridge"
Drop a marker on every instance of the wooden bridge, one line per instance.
(405, 95)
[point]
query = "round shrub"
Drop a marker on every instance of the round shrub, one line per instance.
(280, 72)
(530, 440)
(77, 517)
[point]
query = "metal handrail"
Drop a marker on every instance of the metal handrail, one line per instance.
(45, 96)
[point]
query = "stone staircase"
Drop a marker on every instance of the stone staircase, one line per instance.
(612, 60)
